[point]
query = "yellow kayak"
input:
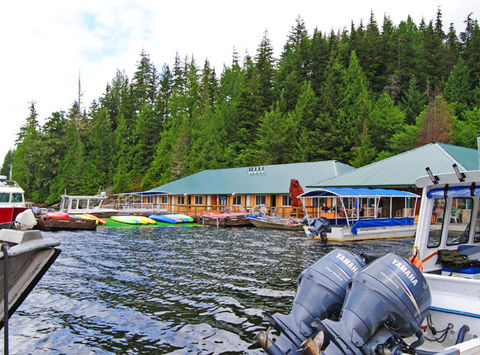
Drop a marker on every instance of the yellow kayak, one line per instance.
(144, 220)
(91, 216)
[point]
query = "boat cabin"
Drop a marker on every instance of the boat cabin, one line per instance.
(11, 194)
(78, 204)
(450, 220)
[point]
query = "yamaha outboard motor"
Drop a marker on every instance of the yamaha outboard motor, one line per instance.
(320, 293)
(388, 299)
(319, 227)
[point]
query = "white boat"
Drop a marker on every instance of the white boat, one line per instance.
(350, 214)
(12, 201)
(25, 257)
(77, 204)
(428, 304)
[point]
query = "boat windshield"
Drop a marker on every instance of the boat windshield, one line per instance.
(452, 218)
(4, 197)
(17, 197)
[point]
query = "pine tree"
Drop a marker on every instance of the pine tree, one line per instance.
(414, 102)
(457, 89)
(386, 120)
(355, 109)
(275, 138)
(435, 125)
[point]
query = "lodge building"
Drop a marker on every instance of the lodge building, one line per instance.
(240, 189)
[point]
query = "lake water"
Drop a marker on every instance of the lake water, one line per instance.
(155, 290)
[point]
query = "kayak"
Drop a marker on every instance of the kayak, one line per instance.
(125, 219)
(57, 214)
(163, 218)
(91, 216)
(183, 217)
(144, 220)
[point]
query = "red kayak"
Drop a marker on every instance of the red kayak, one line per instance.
(57, 215)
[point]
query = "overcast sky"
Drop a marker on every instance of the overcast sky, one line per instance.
(46, 44)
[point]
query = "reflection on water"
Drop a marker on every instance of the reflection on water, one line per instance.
(167, 290)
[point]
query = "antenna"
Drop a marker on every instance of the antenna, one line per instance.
(11, 162)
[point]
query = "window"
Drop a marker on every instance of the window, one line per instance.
(260, 200)
(4, 197)
(237, 200)
(149, 199)
(458, 232)
(286, 200)
(223, 200)
(180, 200)
(438, 215)
(165, 199)
(17, 197)
(199, 200)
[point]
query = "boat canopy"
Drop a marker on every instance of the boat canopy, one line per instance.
(454, 191)
(356, 193)
(352, 204)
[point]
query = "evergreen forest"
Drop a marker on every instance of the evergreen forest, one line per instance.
(357, 95)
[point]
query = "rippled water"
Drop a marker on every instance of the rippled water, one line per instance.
(167, 290)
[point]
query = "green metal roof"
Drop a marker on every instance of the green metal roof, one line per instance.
(403, 169)
(268, 179)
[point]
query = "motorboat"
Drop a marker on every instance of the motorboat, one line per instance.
(350, 214)
(25, 258)
(79, 204)
(427, 304)
(12, 201)
(275, 222)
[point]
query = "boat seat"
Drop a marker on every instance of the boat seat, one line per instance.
(455, 218)
(460, 264)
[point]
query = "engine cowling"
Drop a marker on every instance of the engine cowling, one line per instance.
(390, 294)
(320, 293)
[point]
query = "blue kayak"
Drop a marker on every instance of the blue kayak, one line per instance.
(162, 218)
(180, 217)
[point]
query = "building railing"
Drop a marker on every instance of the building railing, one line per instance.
(198, 210)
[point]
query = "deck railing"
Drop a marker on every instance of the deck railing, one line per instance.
(198, 210)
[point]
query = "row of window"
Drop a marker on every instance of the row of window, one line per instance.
(15, 197)
(237, 200)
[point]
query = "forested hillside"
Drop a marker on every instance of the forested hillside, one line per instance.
(357, 96)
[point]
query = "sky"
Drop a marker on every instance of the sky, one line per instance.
(47, 45)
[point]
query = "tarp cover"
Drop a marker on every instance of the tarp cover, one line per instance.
(364, 223)
(356, 192)
(454, 191)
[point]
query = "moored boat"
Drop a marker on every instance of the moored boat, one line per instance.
(64, 223)
(428, 304)
(12, 201)
(275, 222)
(359, 213)
(79, 204)
(225, 219)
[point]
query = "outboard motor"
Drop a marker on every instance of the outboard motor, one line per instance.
(319, 227)
(388, 299)
(320, 293)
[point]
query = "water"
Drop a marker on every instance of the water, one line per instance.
(167, 290)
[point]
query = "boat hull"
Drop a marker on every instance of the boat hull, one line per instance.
(344, 234)
(53, 224)
(8, 214)
(225, 219)
(29, 256)
(283, 224)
